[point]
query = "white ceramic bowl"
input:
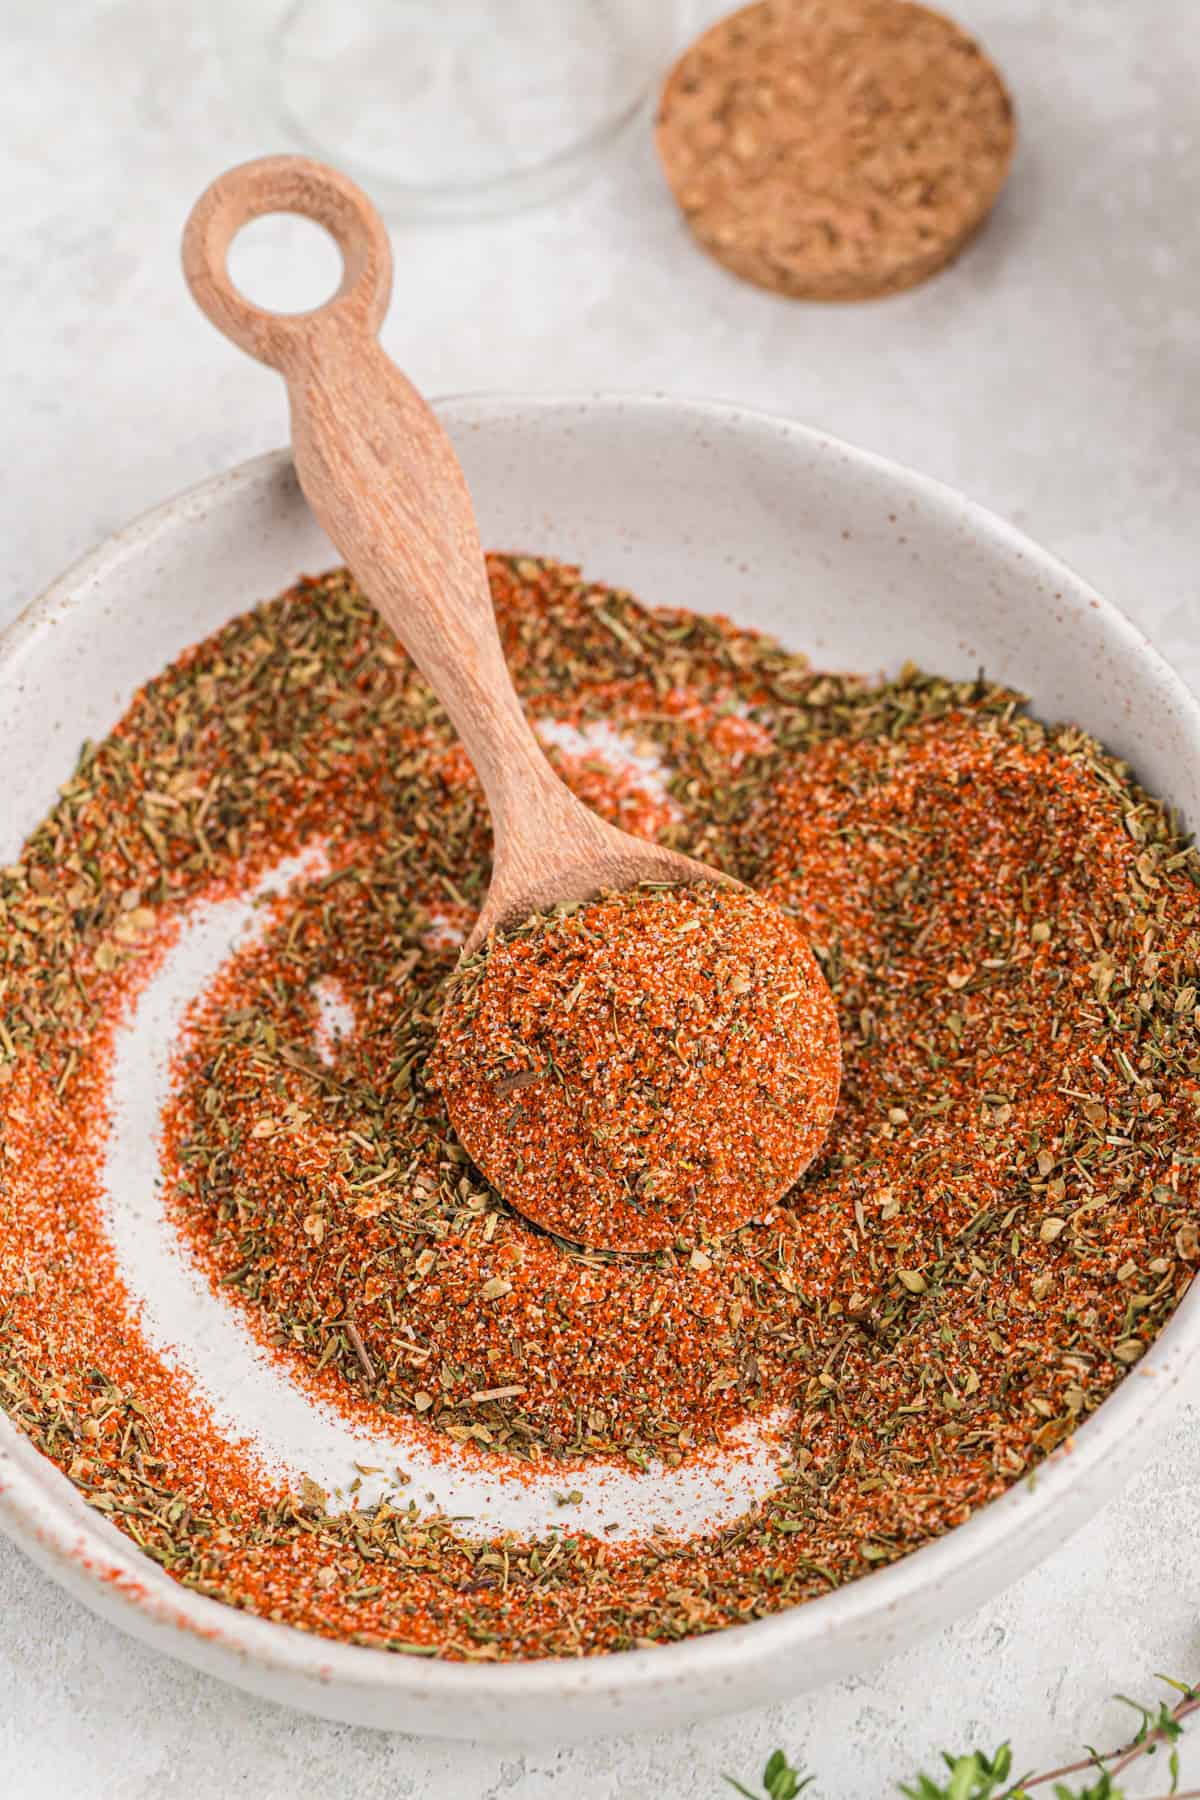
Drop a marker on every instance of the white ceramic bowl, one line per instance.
(839, 553)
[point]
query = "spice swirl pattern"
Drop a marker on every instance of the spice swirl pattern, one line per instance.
(1003, 1215)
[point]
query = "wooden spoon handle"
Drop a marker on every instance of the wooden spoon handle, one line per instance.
(287, 184)
(379, 471)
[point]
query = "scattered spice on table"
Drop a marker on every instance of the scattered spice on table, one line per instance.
(649, 1069)
(1002, 1217)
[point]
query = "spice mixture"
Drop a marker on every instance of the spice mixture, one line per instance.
(627, 1072)
(1002, 1216)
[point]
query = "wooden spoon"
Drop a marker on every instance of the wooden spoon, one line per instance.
(379, 473)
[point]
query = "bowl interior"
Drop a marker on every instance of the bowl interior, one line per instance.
(843, 555)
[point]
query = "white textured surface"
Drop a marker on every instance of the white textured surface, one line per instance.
(1055, 375)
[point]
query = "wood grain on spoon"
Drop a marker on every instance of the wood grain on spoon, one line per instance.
(382, 479)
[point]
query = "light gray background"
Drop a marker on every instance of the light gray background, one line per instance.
(1055, 374)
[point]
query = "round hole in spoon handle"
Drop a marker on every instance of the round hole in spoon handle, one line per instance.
(382, 479)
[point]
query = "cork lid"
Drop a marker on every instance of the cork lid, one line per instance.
(835, 149)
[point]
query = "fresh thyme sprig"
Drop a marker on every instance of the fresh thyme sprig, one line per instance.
(975, 1776)
(779, 1780)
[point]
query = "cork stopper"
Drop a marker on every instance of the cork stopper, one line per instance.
(835, 149)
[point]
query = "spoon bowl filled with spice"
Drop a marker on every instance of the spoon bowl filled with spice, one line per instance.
(289, 1388)
(660, 1066)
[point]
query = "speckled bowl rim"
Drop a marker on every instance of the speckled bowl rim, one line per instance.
(739, 1665)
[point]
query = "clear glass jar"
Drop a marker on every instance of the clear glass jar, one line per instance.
(454, 107)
